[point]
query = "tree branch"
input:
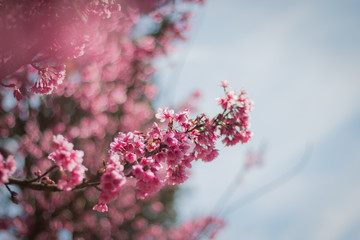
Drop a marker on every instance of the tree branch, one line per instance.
(22, 183)
(43, 175)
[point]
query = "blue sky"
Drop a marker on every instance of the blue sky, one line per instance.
(299, 62)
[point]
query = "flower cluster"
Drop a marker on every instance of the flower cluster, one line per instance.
(59, 32)
(48, 79)
(111, 183)
(7, 168)
(161, 157)
(235, 118)
(69, 160)
(109, 61)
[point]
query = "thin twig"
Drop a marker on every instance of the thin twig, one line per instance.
(261, 191)
(8, 189)
(34, 185)
(43, 175)
(272, 185)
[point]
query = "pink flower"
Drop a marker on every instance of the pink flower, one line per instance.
(17, 94)
(162, 156)
(111, 183)
(101, 207)
(128, 143)
(182, 117)
(165, 114)
(130, 157)
(48, 79)
(137, 170)
(177, 175)
(68, 160)
(170, 140)
(224, 84)
(223, 102)
(7, 168)
(148, 184)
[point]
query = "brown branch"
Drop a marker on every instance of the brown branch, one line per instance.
(23, 183)
(91, 183)
(13, 194)
(39, 186)
(94, 182)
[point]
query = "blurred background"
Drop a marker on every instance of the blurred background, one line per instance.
(300, 63)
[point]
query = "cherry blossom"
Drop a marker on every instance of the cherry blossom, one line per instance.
(68, 160)
(165, 114)
(172, 150)
(81, 75)
(7, 168)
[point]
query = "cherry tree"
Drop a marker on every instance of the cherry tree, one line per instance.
(81, 147)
